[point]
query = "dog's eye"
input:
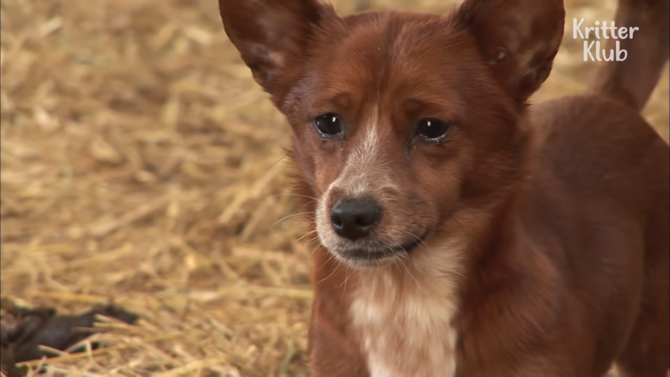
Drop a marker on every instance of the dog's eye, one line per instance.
(328, 124)
(432, 129)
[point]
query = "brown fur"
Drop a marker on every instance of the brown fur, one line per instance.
(543, 231)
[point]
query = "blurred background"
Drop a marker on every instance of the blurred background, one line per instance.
(142, 166)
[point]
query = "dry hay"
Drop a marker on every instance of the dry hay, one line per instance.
(142, 165)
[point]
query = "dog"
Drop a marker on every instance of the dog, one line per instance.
(462, 231)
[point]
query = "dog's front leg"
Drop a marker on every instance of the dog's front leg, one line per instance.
(332, 355)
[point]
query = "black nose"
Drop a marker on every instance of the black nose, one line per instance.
(354, 218)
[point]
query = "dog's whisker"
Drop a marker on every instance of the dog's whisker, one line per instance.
(290, 216)
(402, 261)
(307, 234)
(294, 195)
(337, 266)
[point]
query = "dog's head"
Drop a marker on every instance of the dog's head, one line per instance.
(399, 119)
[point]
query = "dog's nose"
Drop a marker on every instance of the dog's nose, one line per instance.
(354, 218)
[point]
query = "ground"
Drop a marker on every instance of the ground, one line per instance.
(141, 165)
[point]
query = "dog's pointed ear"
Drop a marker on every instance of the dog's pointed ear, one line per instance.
(518, 38)
(270, 34)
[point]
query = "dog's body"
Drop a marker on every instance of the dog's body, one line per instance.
(462, 233)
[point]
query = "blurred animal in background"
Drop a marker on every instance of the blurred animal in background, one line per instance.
(24, 330)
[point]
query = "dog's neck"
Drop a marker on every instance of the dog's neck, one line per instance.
(411, 308)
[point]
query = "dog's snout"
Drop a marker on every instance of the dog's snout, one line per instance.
(355, 218)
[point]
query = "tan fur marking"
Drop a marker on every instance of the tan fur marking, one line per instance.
(364, 173)
(404, 314)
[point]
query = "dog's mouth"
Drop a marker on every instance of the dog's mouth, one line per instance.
(379, 256)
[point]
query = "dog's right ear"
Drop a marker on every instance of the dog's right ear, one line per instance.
(271, 34)
(518, 38)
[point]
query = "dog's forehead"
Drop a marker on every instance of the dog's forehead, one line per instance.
(377, 53)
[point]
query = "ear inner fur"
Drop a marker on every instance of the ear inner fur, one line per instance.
(519, 38)
(272, 34)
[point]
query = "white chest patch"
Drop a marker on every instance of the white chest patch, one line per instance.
(405, 319)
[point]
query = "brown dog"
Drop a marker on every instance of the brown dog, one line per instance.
(462, 232)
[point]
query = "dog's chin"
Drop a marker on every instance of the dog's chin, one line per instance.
(365, 258)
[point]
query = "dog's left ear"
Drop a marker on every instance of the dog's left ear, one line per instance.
(518, 38)
(271, 34)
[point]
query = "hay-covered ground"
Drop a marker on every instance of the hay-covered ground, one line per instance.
(142, 166)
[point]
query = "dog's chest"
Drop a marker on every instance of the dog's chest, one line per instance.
(405, 328)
